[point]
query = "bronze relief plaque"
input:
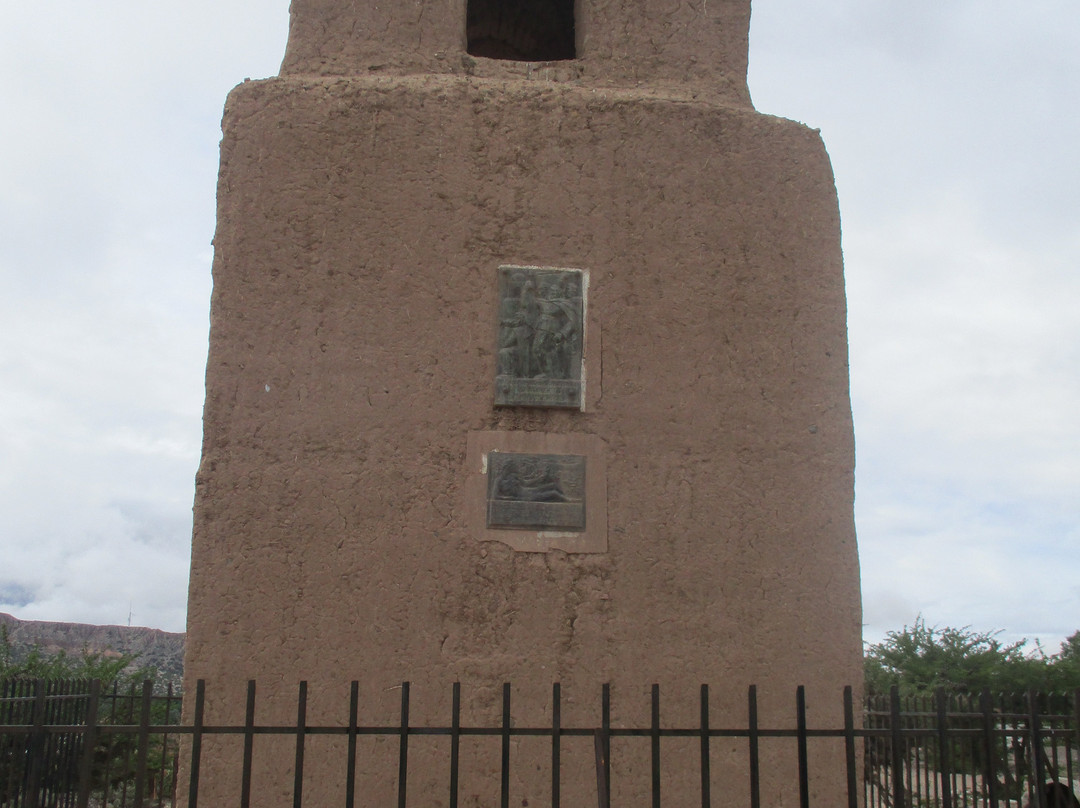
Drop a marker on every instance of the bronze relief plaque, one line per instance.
(541, 337)
(536, 491)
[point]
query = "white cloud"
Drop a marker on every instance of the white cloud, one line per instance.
(108, 208)
(952, 130)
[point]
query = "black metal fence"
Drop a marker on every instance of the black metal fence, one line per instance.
(973, 751)
(69, 744)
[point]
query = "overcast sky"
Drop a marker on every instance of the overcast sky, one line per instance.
(953, 127)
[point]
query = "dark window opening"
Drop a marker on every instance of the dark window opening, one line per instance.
(523, 30)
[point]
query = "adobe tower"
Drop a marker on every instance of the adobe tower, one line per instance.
(528, 364)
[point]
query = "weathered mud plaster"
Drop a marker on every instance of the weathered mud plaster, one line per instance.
(366, 199)
(689, 46)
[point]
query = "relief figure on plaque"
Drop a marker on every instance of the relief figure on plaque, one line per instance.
(536, 491)
(529, 479)
(540, 337)
(557, 330)
(517, 325)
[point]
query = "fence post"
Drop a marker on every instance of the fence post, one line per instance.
(556, 744)
(603, 799)
(849, 748)
(455, 743)
(944, 749)
(1076, 724)
(605, 725)
(350, 765)
(196, 744)
(989, 775)
(753, 739)
(249, 746)
(403, 746)
(144, 743)
(602, 749)
(1038, 769)
(301, 732)
(86, 765)
(655, 745)
(804, 773)
(897, 747)
(165, 751)
(706, 776)
(504, 795)
(37, 745)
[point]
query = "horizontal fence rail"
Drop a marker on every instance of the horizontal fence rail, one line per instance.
(70, 744)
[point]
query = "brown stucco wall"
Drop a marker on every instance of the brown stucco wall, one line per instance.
(695, 45)
(361, 222)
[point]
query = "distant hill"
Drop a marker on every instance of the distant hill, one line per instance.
(152, 647)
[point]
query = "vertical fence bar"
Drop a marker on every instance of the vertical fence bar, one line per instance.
(909, 706)
(403, 746)
(55, 712)
(989, 775)
(71, 715)
(897, 747)
(1035, 732)
(455, 743)
(976, 749)
(1076, 732)
(350, 754)
(249, 746)
(706, 775)
(969, 794)
(165, 747)
(655, 745)
(48, 739)
(602, 750)
(129, 718)
(921, 790)
(605, 726)
(804, 774)
(17, 744)
(603, 798)
(504, 793)
(849, 749)
(944, 749)
(1053, 763)
(76, 716)
(556, 743)
(114, 700)
(37, 746)
(1019, 744)
(53, 760)
(754, 740)
(86, 765)
(301, 733)
(196, 744)
(175, 775)
(7, 742)
(144, 743)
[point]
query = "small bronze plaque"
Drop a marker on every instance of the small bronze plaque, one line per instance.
(540, 342)
(536, 491)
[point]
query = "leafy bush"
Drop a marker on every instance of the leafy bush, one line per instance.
(920, 658)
